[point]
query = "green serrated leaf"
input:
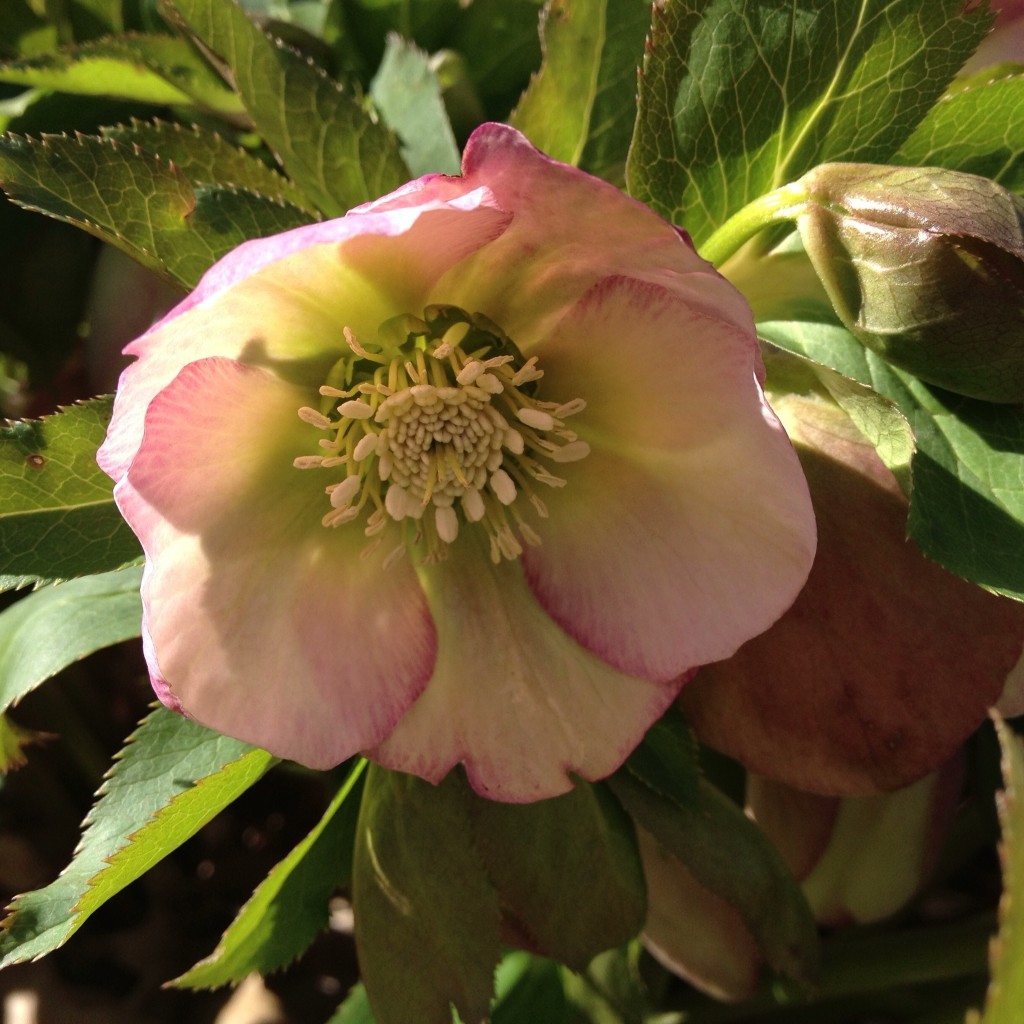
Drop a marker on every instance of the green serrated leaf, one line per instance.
(426, 914)
(332, 148)
(729, 855)
(739, 97)
(290, 907)
(580, 107)
(967, 503)
(146, 68)
(57, 512)
(171, 778)
(141, 204)
(46, 631)
(407, 92)
(205, 157)
(978, 129)
(1006, 992)
(547, 859)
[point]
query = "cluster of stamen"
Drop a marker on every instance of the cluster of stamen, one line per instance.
(439, 429)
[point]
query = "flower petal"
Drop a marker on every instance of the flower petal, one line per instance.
(688, 529)
(260, 622)
(512, 696)
(275, 303)
(884, 665)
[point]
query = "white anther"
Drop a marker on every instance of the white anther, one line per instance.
(328, 392)
(503, 486)
(356, 410)
(343, 493)
(367, 446)
(570, 408)
(447, 523)
(308, 462)
(334, 460)
(470, 372)
(489, 383)
(536, 418)
(314, 418)
(396, 501)
(514, 442)
(527, 372)
(571, 452)
(473, 505)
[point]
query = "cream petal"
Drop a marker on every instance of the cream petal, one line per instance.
(512, 696)
(283, 301)
(688, 529)
(260, 622)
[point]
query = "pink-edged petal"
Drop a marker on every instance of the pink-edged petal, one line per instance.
(688, 529)
(290, 309)
(512, 696)
(260, 622)
(568, 231)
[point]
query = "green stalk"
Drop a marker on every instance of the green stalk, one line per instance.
(783, 205)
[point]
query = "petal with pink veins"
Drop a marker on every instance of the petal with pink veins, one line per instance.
(512, 696)
(261, 623)
(688, 528)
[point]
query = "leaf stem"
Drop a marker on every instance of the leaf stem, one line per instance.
(776, 207)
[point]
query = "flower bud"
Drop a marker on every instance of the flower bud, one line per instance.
(926, 267)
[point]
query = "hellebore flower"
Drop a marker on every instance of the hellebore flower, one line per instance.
(884, 664)
(477, 473)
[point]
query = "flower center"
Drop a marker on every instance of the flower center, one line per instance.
(436, 425)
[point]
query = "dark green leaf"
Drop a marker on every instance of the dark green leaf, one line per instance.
(147, 68)
(289, 908)
(331, 146)
(355, 1009)
(729, 855)
(528, 989)
(171, 778)
(548, 859)
(979, 130)
(46, 631)
(581, 105)
(57, 512)
(967, 504)
(426, 914)
(207, 158)
(137, 202)
(739, 97)
(1006, 991)
(407, 92)
(667, 760)
(23, 32)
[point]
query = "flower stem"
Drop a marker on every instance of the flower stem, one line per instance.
(777, 207)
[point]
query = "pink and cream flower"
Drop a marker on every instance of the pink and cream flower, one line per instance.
(479, 473)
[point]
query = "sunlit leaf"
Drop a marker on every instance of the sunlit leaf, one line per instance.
(580, 107)
(738, 97)
(45, 631)
(328, 142)
(57, 512)
(290, 907)
(171, 778)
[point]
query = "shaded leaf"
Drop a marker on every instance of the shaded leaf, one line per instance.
(729, 855)
(1006, 991)
(547, 859)
(13, 740)
(580, 107)
(290, 907)
(205, 157)
(738, 97)
(331, 146)
(57, 512)
(171, 778)
(967, 504)
(44, 632)
(426, 914)
(141, 204)
(149, 68)
(407, 92)
(667, 760)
